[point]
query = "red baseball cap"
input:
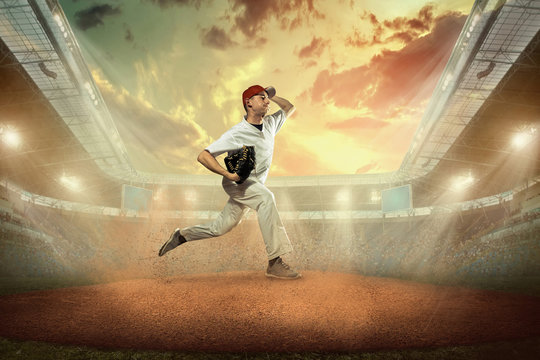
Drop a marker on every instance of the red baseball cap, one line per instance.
(254, 90)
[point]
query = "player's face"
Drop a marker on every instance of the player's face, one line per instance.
(260, 103)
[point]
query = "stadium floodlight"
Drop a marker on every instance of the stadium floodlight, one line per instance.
(447, 80)
(158, 194)
(523, 138)
(375, 196)
(343, 195)
(10, 137)
(462, 182)
(58, 19)
(71, 182)
(191, 195)
(91, 93)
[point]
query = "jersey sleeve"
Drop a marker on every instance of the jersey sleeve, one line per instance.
(277, 119)
(225, 143)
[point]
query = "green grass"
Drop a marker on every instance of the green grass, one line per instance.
(30, 350)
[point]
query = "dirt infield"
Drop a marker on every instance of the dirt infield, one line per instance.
(245, 312)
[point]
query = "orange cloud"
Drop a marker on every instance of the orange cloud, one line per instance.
(357, 40)
(393, 79)
(421, 23)
(357, 123)
(402, 29)
(314, 49)
(292, 158)
(366, 168)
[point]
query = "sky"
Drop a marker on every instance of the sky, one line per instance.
(360, 74)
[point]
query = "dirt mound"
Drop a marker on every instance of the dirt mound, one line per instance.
(245, 312)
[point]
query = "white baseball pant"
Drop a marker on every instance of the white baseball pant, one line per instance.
(250, 194)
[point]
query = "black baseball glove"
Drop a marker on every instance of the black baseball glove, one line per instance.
(241, 163)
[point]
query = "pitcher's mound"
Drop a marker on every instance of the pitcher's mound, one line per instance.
(246, 312)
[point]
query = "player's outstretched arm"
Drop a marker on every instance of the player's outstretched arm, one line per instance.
(210, 162)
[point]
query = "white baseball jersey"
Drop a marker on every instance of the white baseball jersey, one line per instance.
(244, 133)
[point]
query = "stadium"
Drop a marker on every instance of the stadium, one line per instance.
(441, 254)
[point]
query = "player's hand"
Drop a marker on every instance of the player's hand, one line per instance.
(271, 91)
(233, 177)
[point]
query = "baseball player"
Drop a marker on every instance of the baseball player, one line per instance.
(257, 130)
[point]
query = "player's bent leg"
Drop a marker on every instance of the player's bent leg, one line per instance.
(272, 229)
(258, 197)
(227, 219)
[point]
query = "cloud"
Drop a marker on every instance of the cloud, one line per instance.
(357, 40)
(171, 141)
(252, 16)
(294, 158)
(216, 38)
(357, 123)
(128, 35)
(314, 49)
(399, 29)
(93, 16)
(401, 36)
(393, 80)
(421, 23)
(372, 166)
(344, 89)
(165, 4)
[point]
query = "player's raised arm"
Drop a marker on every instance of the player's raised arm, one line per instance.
(284, 104)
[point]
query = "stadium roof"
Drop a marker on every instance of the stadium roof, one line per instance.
(487, 93)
